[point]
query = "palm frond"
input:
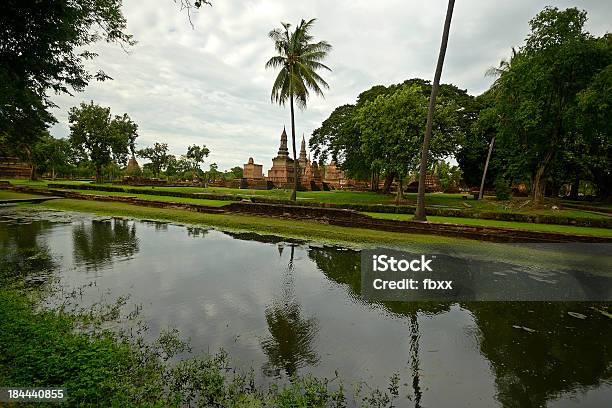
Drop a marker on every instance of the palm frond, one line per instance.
(279, 94)
(298, 58)
(276, 62)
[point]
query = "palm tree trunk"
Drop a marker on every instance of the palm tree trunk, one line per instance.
(420, 210)
(295, 160)
(486, 167)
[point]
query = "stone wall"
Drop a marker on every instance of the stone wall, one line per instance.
(13, 167)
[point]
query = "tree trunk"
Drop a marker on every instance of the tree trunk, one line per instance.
(376, 180)
(31, 161)
(575, 187)
(388, 182)
(33, 172)
(539, 182)
(400, 191)
(372, 180)
(98, 175)
(420, 210)
(484, 173)
(53, 173)
(296, 175)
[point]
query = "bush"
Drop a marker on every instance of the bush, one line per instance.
(502, 189)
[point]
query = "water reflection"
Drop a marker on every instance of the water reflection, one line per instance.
(97, 242)
(290, 345)
(562, 354)
(22, 254)
(197, 232)
(343, 267)
(298, 309)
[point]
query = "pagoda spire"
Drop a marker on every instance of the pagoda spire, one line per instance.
(283, 151)
(303, 150)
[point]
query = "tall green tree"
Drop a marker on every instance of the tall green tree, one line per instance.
(99, 136)
(178, 167)
(340, 138)
(537, 97)
(51, 155)
(472, 153)
(196, 155)
(44, 50)
(234, 173)
(391, 130)
(594, 124)
(419, 214)
(298, 60)
(158, 155)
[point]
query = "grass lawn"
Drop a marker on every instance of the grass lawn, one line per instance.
(567, 229)
(210, 203)
(455, 201)
(11, 195)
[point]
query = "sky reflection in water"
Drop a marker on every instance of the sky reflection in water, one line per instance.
(292, 308)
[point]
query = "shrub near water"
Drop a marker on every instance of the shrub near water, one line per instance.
(100, 367)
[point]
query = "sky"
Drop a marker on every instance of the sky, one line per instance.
(207, 84)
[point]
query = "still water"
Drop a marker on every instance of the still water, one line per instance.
(287, 308)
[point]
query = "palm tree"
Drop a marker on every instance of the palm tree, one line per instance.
(298, 59)
(419, 214)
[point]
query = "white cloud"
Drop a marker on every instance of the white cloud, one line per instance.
(208, 85)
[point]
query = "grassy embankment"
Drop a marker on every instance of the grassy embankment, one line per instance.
(565, 229)
(296, 229)
(456, 201)
(11, 195)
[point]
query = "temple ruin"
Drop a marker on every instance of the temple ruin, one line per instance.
(311, 176)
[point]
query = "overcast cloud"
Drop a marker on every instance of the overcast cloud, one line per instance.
(207, 84)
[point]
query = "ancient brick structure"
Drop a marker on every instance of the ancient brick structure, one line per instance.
(132, 165)
(303, 159)
(333, 176)
(312, 179)
(432, 184)
(13, 167)
(282, 172)
(252, 170)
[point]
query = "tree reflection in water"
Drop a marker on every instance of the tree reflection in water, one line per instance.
(23, 254)
(563, 354)
(96, 243)
(197, 232)
(343, 266)
(289, 346)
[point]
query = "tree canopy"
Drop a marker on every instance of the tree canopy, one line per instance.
(158, 155)
(537, 97)
(379, 132)
(196, 154)
(99, 136)
(43, 50)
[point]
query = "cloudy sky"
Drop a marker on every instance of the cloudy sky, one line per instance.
(208, 85)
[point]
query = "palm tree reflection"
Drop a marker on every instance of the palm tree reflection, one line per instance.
(414, 358)
(289, 346)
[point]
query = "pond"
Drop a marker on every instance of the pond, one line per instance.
(286, 308)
